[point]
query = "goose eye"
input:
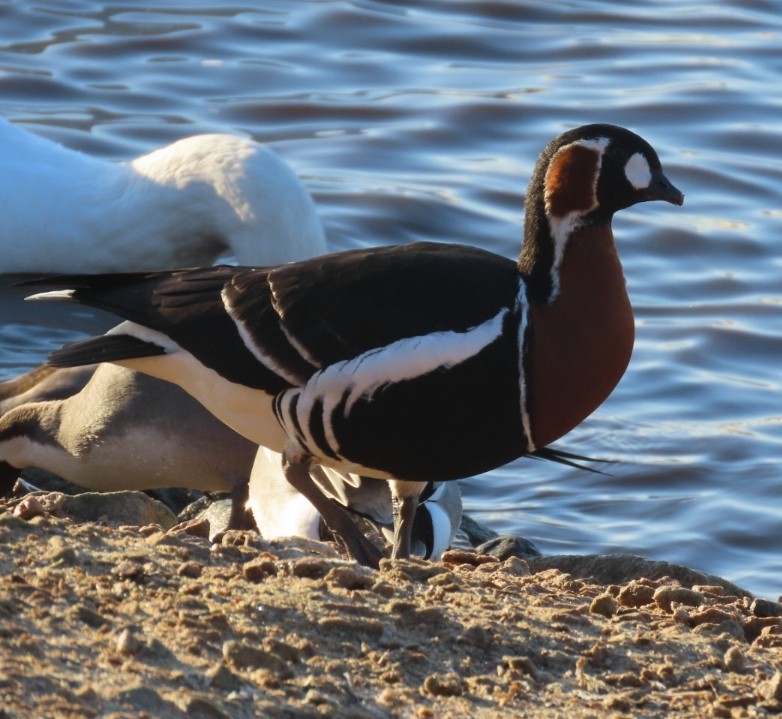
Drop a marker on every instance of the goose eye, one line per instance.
(637, 171)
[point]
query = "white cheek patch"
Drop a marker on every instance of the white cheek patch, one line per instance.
(637, 172)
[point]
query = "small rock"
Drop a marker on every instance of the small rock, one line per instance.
(239, 538)
(39, 505)
(476, 635)
(128, 643)
(65, 557)
(132, 571)
(517, 666)
(202, 708)
(352, 625)
(193, 570)
(146, 700)
(413, 569)
(682, 616)
(310, 567)
(383, 588)
(735, 659)
(430, 616)
(635, 595)
(352, 577)
(89, 616)
(221, 677)
(508, 546)
(711, 615)
(284, 650)
(259, 569)
(515, 567)
(666, 595)
(246, 657)
(771, 689)
(443, 685)
(193, 527)
(127, 507)
(603, 604)
(766, 608)
(463, 556)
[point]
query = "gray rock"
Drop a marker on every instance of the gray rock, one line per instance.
(134, 508)
(623, 568)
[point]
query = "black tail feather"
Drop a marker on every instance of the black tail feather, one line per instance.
(107, 348)
(549, 454)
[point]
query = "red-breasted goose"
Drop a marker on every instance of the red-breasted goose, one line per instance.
(411, 364)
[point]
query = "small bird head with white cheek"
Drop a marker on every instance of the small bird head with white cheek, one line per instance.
(630, 172)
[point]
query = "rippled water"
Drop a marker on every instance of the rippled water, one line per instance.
(422, 120)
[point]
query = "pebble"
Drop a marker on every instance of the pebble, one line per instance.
(351, 577)
(259, 569)
(635, 595)
(129, 570)
(735, 659)
(353, 625)
(221, 677)
(243, 656)
(64, 557)
(463, 556)
(682, 616)
(517, 666)
(126, 506)
(193, 527)
(413, 569)
(766, 608)
(603, 604)
(711, 615)
(128, 643)
(443, 685)
(516, 567)
(204, 709)
(666, 595)
(89, 616)
(39, 505)
(310, 568)
(193, 570)
(772, 689)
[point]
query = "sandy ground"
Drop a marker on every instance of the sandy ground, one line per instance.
(100, 619)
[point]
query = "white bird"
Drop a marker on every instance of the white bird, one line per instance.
(182, 205)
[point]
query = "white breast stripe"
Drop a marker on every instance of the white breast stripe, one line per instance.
(362, 376)
(522, 308)
(563, 227)
(256, 351)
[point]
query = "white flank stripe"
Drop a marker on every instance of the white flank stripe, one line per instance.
(51, 295)
(362, 376)
(256, 351)
(132, 329)
(523, 310)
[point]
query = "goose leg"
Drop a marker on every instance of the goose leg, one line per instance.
(297, 471)
(240, 491)
(404, 499)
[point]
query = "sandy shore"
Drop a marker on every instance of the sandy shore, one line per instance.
(100, 619)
